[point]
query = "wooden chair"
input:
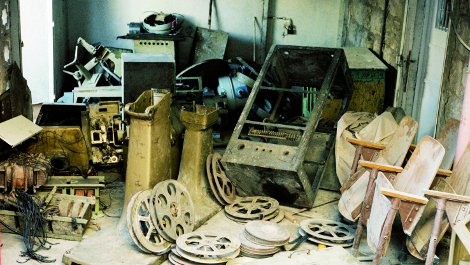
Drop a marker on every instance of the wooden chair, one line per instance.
(393, 153)
(456, 185)
(417, 242)
(413, 180)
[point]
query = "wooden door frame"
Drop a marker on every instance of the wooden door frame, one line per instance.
(408, 60)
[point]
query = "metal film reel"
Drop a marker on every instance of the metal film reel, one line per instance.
(210, 179)
(143, 227)
(328, 230)
(174, 209)
(224, 186)
(208, 245)
(252, 208)
(129, 224)
(324, 242)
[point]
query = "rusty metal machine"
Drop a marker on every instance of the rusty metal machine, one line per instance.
(23, 171)
(197, 146)
(104, 64)
(150, 142)
(284, 135)
(106, 132)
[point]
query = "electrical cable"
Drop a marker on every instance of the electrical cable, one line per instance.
(34, 230)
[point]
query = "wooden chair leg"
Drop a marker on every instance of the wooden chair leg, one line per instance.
(357, 157)
(440, 208)
(386, 230)
(365, 209)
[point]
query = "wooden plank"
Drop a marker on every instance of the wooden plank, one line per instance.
(448, 138)
(447, 195)
(444, 173)
(403, 196)
(365, 144)
(460, 242)
(417, 177)
(379, 210)
(380, 167)
(460, 182)
(17, 130)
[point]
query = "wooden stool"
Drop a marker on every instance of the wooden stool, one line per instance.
(441, 199)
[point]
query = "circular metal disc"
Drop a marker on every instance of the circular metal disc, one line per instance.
(129, 224)
(210, 179)
(206, 260)
(324, 242)
(252, 248)
(328, 230)
(267, 231)
(253, 208)
(174, 209)
(208, 245)
(143, 227)
(225, 187)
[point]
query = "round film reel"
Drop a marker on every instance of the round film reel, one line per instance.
(328, 230)
(129, 224)
(142, 225)
(324, 242)
(174, 209)
(208, 245)
(210, 179)
(253, 208)
(224, 187)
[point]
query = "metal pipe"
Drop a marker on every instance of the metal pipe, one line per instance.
(210, 14)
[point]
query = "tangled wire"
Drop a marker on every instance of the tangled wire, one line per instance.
(34, 227)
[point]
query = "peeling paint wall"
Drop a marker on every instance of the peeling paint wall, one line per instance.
(5, 44)
(455, 71)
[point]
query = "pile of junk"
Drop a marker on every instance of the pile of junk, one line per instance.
(220, 136)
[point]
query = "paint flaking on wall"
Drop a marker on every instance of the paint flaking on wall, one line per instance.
(6, 53)
(5, 16)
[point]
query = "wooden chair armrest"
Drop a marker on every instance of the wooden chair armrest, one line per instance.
(365, 144)
(444, 173)
(412, 147)
(380, 167)
(404, 196)
(446, 195)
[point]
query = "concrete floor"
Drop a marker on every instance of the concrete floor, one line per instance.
(106, 240)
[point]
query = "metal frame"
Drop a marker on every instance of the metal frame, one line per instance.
(251, 164)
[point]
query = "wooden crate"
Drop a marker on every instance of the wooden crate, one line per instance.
(62, 227)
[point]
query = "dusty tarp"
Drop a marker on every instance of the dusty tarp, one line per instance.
(363, 126)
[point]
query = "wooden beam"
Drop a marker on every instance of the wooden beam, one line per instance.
(447, 196)
(404, 196)
(444, 173)
(365, 144)
(380, 167)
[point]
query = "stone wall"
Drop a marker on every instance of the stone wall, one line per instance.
(455, 70)
(364, 26)
(5, 43)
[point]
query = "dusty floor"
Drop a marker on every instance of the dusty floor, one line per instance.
(106, 241)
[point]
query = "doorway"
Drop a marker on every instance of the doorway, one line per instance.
(421, 63)
(36, 48)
